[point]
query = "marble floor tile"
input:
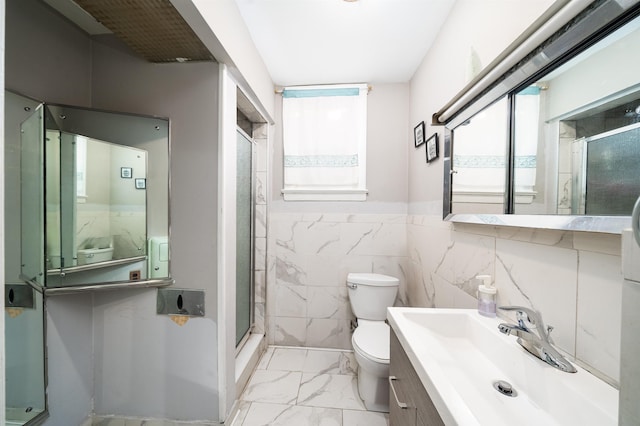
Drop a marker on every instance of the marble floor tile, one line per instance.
(330, 391)
(330, 362)
(272, 386)
(364, 418)
(265, 358)
(287, 359)
(261, 414)
(305, 387)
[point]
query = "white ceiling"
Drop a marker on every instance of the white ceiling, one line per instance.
(335, 41)
(329, 41)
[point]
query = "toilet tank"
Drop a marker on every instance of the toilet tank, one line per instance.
(371, 294)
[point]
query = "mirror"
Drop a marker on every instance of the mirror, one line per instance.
(24, 308)
(566, 143)
(106, 198)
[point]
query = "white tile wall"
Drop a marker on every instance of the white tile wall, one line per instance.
(309, 258)
(260, 132)
(574, 279)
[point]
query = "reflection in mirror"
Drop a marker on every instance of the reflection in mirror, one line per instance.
(479, 161)
(100, 182)
(581, 121)
(107, 183)
(571, 131)
(102, 215)
(24, 236)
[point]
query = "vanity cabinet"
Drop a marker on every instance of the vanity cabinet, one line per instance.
(408, 389)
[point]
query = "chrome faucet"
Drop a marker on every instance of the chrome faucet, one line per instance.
(534, 337)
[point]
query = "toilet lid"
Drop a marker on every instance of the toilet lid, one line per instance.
(373, 340)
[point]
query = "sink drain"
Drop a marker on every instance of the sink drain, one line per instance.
(505, 388)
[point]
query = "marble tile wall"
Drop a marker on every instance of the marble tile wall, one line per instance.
(309, 258)
(574, 279)
(565, 155)
(260, 136)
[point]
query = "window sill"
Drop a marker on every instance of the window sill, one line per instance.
(325, 194)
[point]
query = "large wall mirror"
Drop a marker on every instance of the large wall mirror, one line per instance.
(563, 143)
(95, 199)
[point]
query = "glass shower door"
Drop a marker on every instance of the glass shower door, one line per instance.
(244, 237)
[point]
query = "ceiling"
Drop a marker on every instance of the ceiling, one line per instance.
(300, 41)
(337, 41)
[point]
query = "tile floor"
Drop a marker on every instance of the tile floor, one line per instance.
(305, 387)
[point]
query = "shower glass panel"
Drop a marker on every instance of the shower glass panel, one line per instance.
(25, 371)
(244, 237)
(31, 200)
(610, 188)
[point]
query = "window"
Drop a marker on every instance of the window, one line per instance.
(324, 138)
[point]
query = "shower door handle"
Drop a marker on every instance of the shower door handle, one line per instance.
(635, 221)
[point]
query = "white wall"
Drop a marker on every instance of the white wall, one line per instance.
(220, 27)
(579, 292)
(187, 94)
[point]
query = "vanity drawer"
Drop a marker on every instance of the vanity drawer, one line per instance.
(420, 410)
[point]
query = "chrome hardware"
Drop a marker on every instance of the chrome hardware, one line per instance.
(395, 395)
(534, 337)
(352, 286)
(180, 302)
(505, 388)
(18, 296)
(635, 221)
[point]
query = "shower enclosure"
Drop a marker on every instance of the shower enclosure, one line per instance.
(244, 237)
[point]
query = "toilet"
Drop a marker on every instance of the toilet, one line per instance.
(370, 295)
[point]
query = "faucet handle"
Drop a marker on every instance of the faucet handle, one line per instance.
(524, 314)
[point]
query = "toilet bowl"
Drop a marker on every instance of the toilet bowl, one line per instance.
(370, 295)
(94, 255)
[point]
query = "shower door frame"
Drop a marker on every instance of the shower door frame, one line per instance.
(252, 296)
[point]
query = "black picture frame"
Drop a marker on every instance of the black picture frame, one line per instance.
(141, 183)
(432, 148)
(418, 134)
(126, 172)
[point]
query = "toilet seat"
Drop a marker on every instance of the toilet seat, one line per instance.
(371, 340)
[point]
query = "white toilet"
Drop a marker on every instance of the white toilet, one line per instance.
(370, 295)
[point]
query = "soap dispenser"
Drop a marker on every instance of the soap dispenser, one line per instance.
(486, 296)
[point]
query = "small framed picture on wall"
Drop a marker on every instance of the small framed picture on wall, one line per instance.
(418, 134)
(141, 183)
(126, 172)
(432, 148)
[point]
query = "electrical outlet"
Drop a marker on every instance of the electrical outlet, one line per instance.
(134, 275)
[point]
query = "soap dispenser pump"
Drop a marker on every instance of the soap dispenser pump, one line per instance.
(486, 296)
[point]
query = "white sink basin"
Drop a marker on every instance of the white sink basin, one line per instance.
(459, 354)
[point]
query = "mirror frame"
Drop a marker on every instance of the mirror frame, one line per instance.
(597, 21)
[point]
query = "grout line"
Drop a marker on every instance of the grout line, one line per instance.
(310, 348)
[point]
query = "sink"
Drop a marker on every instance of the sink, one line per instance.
(459, 355)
